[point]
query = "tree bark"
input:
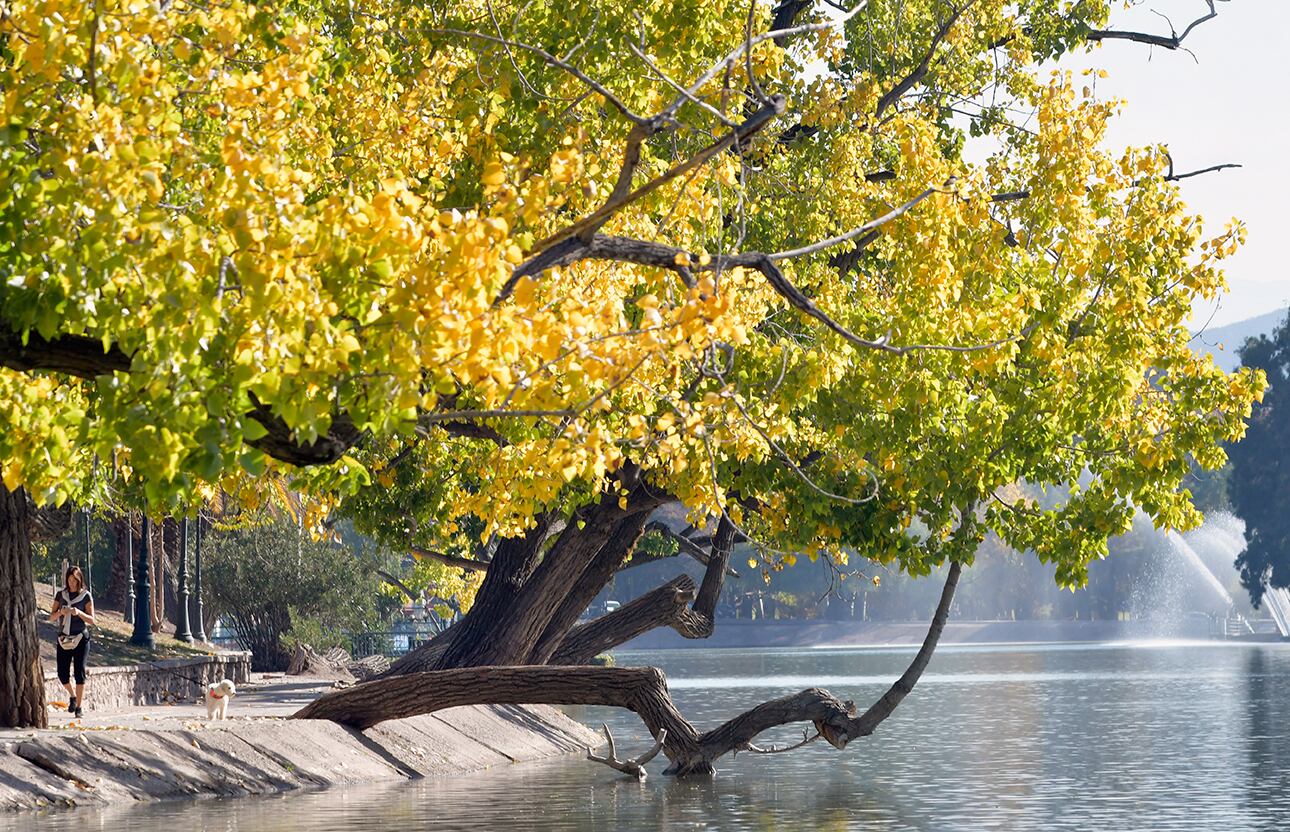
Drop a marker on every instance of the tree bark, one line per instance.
(115, 596)
(510, 568)
(595, 576)
(22, 679)
(665, 606)
(641, 690)
(509, 636)
(157, 565)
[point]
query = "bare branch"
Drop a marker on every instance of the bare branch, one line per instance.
(693, 99)
(919, 72)
(1174, 177)
(778, 35)
(1173, 40)
(684, 544)
(553, 61)
(807, 739)
(636, 767)
(862, 230)
(547, 257)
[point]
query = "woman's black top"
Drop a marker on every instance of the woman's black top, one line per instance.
(73, 624)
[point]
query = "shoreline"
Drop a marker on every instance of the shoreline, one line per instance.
(734, 633)
(145, 754)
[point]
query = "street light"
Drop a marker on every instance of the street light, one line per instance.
(182, 631)
(143, 602)
(200, 633)
(129, 568)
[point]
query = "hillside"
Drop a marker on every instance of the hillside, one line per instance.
(1223, 342)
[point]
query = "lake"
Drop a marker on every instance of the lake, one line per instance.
(1152, 736)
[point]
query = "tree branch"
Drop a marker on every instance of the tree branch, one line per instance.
(394, 581)
(641, 690)
(1173, 40)
(81, 356)
(919, 72)
(448, 560)
(549, 255)
(636, 767)
(663, 606)
(683, 543)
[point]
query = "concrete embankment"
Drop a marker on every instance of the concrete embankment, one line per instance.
(172, 752)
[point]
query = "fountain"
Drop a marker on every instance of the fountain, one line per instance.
(1189, 577)
(1180, 545)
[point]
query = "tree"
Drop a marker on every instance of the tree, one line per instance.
(267, 578)
(1260, 476)
(756, 276)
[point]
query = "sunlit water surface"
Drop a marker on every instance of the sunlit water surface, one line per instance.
(1082, 737)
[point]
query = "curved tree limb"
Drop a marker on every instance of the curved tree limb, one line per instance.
(684, 544)
(1173, 40)
(641, 690)
(664, 606)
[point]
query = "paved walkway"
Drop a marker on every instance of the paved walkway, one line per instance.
(267, 695)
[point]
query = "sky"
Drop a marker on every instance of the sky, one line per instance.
(1229, 103)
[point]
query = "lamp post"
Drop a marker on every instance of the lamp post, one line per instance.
(200, 633)
(129, 568)
(183, 631)
(143, 601)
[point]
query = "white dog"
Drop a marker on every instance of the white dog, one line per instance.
(217, 696)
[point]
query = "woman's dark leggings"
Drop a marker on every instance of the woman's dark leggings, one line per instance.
(76, 657)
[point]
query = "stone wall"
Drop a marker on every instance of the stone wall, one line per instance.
(154, 683)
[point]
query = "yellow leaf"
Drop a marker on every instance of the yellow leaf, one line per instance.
(494, 174)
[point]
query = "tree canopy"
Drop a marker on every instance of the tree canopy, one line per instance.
(837, 277)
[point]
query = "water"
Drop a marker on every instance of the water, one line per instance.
(1151, 736)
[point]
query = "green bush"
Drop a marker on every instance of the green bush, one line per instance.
(276, 586)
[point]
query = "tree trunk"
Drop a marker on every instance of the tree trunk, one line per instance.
(116, 594)
(170, 574)
(595, 576)
(641, 690)
(22, 679)
(263, 637)
(510, 637)
(510, 568)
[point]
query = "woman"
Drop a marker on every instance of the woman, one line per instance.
(74, 612)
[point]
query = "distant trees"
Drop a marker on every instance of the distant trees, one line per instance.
(1260, 469)
(269, 579)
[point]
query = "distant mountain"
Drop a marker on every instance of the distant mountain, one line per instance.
(1222, 342)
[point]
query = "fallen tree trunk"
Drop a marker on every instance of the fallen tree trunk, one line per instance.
(640, 690)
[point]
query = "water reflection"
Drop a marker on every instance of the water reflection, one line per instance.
(1078, 738)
